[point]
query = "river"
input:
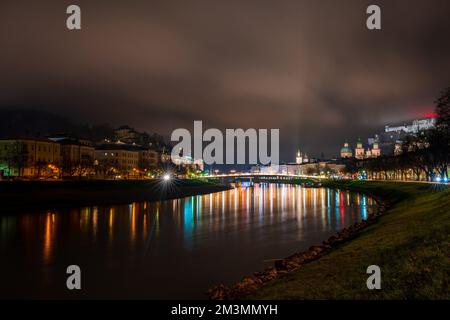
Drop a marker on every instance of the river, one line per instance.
(172, 249)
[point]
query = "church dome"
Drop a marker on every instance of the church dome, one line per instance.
(346, 148)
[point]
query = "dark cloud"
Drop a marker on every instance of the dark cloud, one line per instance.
(310, 68)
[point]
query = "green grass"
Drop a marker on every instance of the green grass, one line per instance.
(410, 243)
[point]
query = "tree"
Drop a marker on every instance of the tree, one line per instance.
(439, 138)
(443, 109)
(15, 158)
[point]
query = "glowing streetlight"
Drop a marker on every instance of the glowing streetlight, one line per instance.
(166, 177)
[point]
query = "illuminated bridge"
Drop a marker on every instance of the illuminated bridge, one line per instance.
(262, 177)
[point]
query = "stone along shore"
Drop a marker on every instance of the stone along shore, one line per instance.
(282, 267)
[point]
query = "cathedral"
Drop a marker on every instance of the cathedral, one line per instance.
(300, 158)
(360, 151)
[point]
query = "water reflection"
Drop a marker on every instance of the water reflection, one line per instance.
(49, 235)
(216, 237)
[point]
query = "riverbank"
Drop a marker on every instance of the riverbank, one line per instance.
(409, 242)
(18, 196)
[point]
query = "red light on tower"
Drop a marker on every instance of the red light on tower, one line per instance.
(431, 115)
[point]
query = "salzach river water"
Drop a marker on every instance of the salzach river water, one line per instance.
(169, 249)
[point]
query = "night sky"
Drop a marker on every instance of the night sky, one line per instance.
(309, 68)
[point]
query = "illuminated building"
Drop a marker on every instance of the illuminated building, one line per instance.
(77, 157)
(376, 151)
(126, 134)
(313, 169)
(270, 169)
(305, 158)
(298, 158)
(414, 127)
(398, 148)
(148, 158)
(115, 157)
(392, 135)
(346, 151)
(305, 168)
(359, 150)
(29, 158)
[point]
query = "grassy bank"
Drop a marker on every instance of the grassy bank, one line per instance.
(410, 243)
(17, 196)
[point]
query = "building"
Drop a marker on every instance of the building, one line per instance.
(166, 158)
(315, 169)
(393, 135)
(126, 160)
(272, 169)
(77, 157)
(117, 160)
(398, 148)
(359, 150)
(126, 134)
(148, 159)
(414, 127)
(305, 169)
(29, 158)
(306, 159)
(302, 168)
(346, 151)
(301, 158)
(376, 151)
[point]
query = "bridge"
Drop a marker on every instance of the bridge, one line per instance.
(262, 177)
(280, 177)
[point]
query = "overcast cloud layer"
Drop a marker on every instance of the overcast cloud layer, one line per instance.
(310, 68)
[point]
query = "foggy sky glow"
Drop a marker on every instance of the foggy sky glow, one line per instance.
(310, 68)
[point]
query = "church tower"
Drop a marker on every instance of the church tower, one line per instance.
(299, 158)
(346, 151)
(359, 150)
(376, 152)
(305, 158)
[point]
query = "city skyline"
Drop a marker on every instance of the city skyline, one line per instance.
(54, 127)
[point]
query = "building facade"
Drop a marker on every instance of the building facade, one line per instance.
(148, 159)
(77, 158)
(29, 158)
(126, 134)
(414, 127)
(346, 151)
(302, 168)
(360, 152)
(117, 160)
